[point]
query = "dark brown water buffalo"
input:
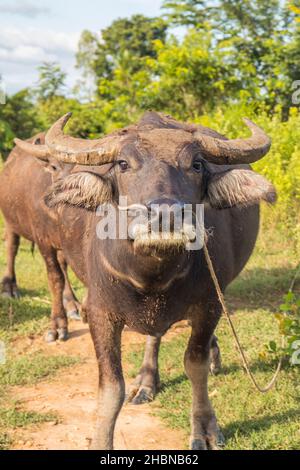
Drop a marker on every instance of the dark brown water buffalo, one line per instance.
(23, 182)
(150, 282)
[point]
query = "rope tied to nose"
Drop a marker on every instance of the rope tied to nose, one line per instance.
(235, 335)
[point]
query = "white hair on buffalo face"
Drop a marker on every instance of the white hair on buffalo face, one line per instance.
(239, 187)
(80, 189)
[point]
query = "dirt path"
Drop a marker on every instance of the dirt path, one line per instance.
(72, 396)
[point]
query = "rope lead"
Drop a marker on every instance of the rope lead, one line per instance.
(240, 348)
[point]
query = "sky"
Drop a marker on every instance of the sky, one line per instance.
(35, 31)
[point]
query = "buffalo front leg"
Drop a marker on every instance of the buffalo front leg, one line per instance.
(147, 382)
(106, 335)
(205, 430)
(56, 281)
(70, 300)
(9, 281)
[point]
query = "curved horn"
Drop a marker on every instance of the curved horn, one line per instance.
(236, 151)
(38, 151)
(69, 149)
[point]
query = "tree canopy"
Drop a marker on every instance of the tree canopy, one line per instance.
(225, 52)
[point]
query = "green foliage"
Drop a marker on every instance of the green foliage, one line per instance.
(17, 118)
(261, 38)
(192, 70)
(6, 137)
(289, 327)
(133, 37)
(87, 118)
(194, 13)
(51, 81)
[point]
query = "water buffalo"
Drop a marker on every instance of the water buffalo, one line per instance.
(23, 182)
(150, 282)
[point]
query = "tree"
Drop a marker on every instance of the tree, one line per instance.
(260, 37)
(18, 117)
(134, 36)
(195, 13)
(190, 76)
(87, 118)
(51, 81)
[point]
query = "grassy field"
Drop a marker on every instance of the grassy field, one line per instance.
(249, 420)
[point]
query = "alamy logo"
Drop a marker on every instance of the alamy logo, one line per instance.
(296, 94)
(163, 224)
(295, 359)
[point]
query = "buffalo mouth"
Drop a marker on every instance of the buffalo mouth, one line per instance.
(149, 242)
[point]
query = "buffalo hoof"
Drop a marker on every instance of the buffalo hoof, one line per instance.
(51, 336)
(215, 361)
(213, 441)
(7, 295)
(63, 334)
(140, 395)
(215, 369)
(10, 292)
(74, 315)
(198, 444)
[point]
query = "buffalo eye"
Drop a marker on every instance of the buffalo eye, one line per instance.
(197, 166)
(123, 165)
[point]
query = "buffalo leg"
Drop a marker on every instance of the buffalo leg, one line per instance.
(84, 310)
(205, 431)
(56, 281)
(9, 281)
(106, 335)
(147, 382)
(71, 303)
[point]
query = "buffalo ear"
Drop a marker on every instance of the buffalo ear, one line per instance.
(82, 189)
(238, 187)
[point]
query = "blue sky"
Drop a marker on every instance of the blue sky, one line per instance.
(34, 31)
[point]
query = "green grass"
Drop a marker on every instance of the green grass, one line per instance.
(249, 420)
(15, 418)
(5, 441)
(28, 369)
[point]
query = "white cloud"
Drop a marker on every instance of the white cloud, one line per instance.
(22, 50)
(49, 40)
(25, 8)
(26, 54)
